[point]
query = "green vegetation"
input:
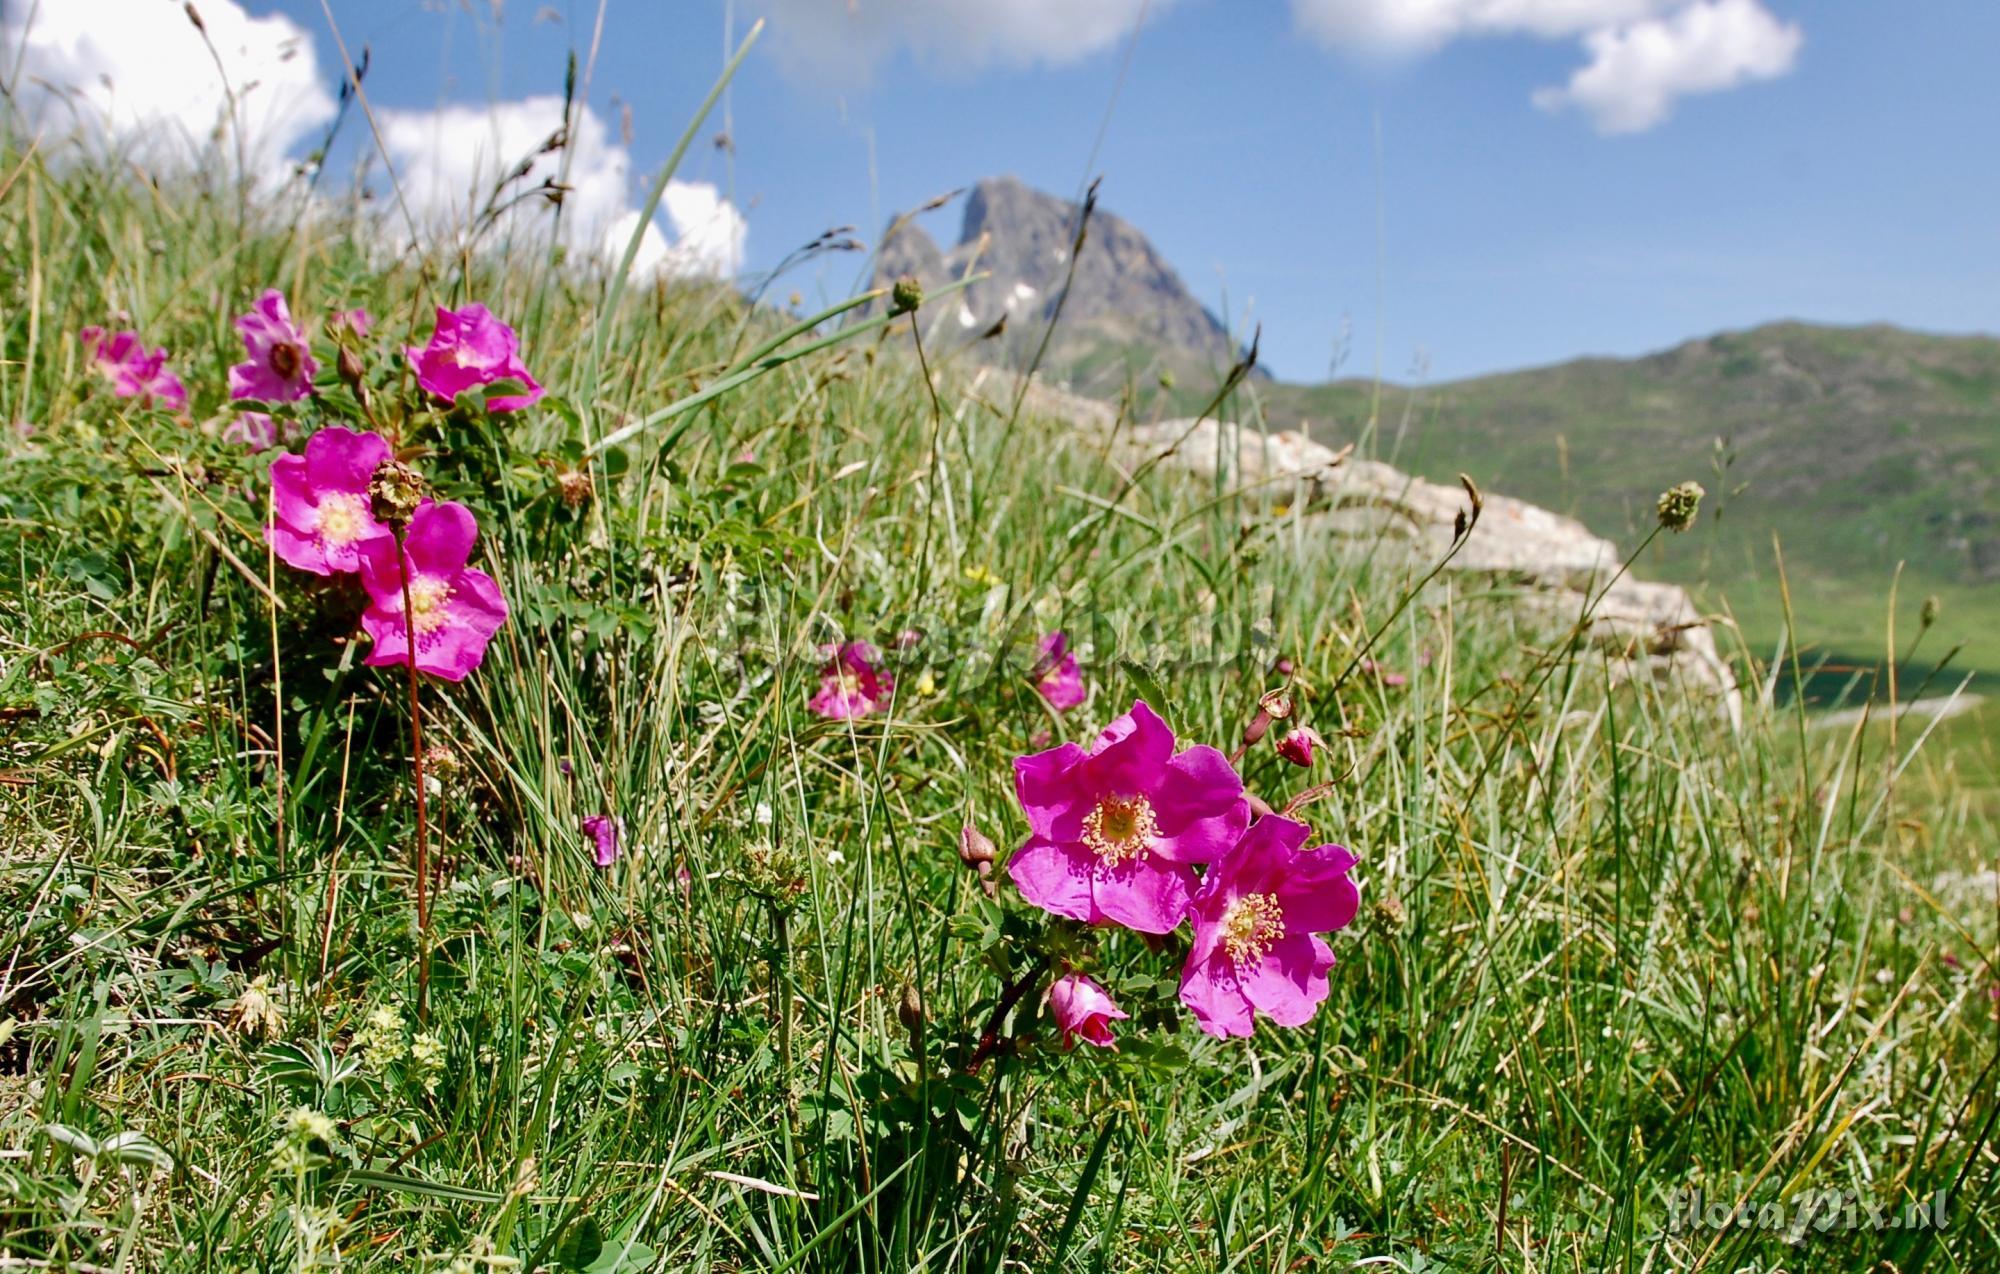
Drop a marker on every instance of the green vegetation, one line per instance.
(1853, 448)
(1610, 950)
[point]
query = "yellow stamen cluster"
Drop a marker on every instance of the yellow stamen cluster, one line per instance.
(1251, 927)
(342, 518)
(428, 595)
(1120, 829)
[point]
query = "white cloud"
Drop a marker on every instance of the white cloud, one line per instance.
(450, 161)
(709, 235)
(1643, 54)
(136, 75)
(1409, 26)
(848, 39)
(1636, 72)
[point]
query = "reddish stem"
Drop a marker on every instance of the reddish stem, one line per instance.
(989, 1039)
(417, 768)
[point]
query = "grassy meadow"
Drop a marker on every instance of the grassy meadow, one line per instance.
(1609, 950)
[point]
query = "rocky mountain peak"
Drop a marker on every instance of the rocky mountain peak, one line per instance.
(1128, 312)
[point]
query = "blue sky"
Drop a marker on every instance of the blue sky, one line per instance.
(1423, 202)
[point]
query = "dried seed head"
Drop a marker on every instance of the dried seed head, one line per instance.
(255, 1014)
(395, 492)
(1389, 916)
(1678, 505)
(573, 486)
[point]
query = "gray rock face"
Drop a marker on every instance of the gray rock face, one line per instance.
(1562, 567)
(1127, 311)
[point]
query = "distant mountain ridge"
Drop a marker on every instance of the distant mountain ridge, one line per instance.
(1856, 448)
(1128, 312)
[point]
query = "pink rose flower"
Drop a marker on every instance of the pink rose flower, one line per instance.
(849, 685)
(454, 608)
(355, 321)
(259, 432)
(322, 520)
(1083, 1011)
(1114, 832)
(1298, 746)
(1057, 677)
(281, 368)
(606, 832)
(470, 348)
(1256, 922)
(122, 359)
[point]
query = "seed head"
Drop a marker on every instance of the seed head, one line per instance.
(1929, 614)
(1389, 916)
(255, 1014)
(905, 295)
(573, 485)
(1678, 505)
(395, 492)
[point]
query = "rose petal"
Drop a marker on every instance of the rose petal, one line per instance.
(1052, 878)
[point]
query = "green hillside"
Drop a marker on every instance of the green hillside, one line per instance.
(1851, 448)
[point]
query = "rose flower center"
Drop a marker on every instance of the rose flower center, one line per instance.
(285, 359)
(1251, 927)
(1120, 828)
(343, 518)
(428, 595)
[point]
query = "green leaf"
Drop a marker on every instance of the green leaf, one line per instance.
(70, 1139)
(582, 1245)
(1142, 677)
(418, 1186)
(626, 1256)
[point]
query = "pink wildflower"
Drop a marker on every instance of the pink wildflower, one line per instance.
(355, 321)
(322, 520)
(454, 608)
(1083, 1011)
(1256, 926)
(281, 368)
(1057, 677)
(259, 432)
(1298, 746)
(134, 373)
(470, 348)
(606, 832)
(849, 685)
(1114, 832)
